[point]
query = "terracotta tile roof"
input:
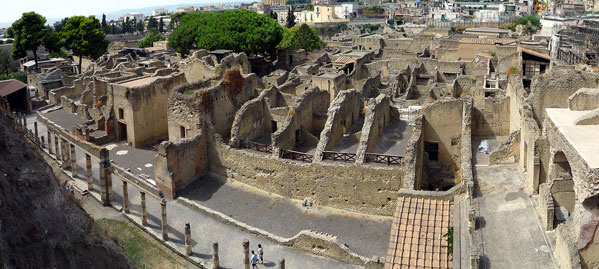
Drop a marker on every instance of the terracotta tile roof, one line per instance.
(487, 41)
(9, 86)
(417, 234)
(345, 60)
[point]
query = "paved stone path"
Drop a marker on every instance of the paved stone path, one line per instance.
(509, 227)
(205, 230)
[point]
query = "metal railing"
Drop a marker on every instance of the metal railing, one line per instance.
(384, 159)
(339, 156)
(296, 155)
(255, 146)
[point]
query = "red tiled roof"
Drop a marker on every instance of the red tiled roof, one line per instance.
(487, 41)
(9, 86)
(345, 60)
(417, 234)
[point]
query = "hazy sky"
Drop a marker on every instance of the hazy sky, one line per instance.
(12, 9)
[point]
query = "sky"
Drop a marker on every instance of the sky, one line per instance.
(13, 9)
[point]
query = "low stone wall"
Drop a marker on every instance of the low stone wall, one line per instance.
(584, 99)
(55, 95)
(360, 188)
(252, 120)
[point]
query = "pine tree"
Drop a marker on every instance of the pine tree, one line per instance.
(290, 18)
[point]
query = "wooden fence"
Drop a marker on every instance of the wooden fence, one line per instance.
(296, 155)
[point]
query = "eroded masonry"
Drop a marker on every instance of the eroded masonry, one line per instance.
(378, 124)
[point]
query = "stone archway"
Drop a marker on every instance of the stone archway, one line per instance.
(562, 187)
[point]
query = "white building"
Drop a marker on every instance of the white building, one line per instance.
(159, 11)
(137, 16)
(344, 11)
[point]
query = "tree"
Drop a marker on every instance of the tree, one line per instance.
(152, 37)
(301, 37)
(290, 17)
(273, 15)
(161, 26)
(139, 27)
(9, 32)
(29, 34)
(238, 30)
(52, 41)
(152, 24)
(84, 36)
(58, 25)
(104, 24)
(5, 60)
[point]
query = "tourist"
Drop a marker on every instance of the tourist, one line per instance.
(254, 260)
(261, 253)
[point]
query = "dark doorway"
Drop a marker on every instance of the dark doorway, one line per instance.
(273, 126)
(432, 149)
(122, 131)
(297, 133)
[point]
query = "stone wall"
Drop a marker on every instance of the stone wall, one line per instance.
(301, 116)
(252, 120)
(145, 108)
(341, 115)
(182, 112)
(554, 89)
(366, 189)
(178, 164)
(376, 119)
(492, 119)
(332, 83)
(584, 99)
(413, 161)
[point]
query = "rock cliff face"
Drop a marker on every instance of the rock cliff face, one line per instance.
(40, 227)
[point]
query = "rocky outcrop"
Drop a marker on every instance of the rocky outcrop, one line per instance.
(41, 227)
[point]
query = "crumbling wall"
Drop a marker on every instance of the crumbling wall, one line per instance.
(376, 119)
(342, 113)
(584, 99)
(554, 89)
(370, 88)
(54, 96)
(508, 151)
(178, 164)
(301, 116)
(414, 157)
(492, 119)
(252, 120)
(332, 83)
(365, 189)
(443, 126)
(200, 66)
(182, 112)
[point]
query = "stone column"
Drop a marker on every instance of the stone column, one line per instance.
(187, 239)
(281, 263)
(35, 128)
(25, 121)
(88, 166)
(64, 149)
(246, 253)
(105, 177)
(164, 224)
(73, 161)
(215, 260)
(57, 147)
(125, 197)
(43, 142)
(49, 142)
(144, 212)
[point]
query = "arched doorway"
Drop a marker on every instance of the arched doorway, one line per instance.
(562, 187)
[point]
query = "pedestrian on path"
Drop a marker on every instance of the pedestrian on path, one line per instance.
(254, 260)
(261, 253)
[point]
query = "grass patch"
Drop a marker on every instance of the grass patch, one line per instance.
(146, 253)
(188, 92)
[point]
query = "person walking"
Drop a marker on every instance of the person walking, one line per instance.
(261, 253)
(254, 260)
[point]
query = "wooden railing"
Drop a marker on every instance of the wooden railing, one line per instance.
(385, 159)
(255, 146)
(339, 156)
(296, 155)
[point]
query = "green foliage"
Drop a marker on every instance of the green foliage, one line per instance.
(152, 24)
(10, 33)
(84, 36)
(176, 19)
(188, 92)
(161, 26)
(104, 24)
(60, 24)
(449, 239)
(21, 76)
(374, 10)
(368, 28)
(531, 24)
(290, 21)
(52, 41)
(238, 30)
(493, 54)
(152, 37)
(29, 33)
(301, 37)
(5, 60)
(58, 54)
(331, 29)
